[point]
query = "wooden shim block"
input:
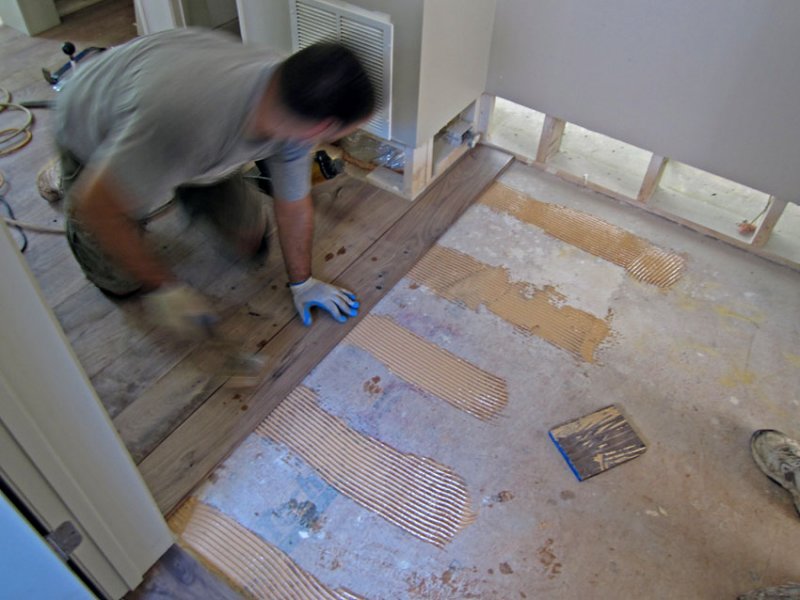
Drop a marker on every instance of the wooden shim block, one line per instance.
(774, 212)
(550, 140)
(418, 170)
(204, 439)
(655, 170)
(597, 442)
(485, 109)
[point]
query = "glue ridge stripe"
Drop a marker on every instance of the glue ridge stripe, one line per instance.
(251, 564)
(431, 368)
(641, 259)
(417, 494)
(463, 279)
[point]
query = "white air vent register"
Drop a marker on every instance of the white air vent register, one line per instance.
(368, 34)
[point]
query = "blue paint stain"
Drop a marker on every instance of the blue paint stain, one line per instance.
(302, 511)
(565, 455)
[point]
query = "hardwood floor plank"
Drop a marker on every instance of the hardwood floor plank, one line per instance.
(215, 428)
(162, 395)
(179, 575)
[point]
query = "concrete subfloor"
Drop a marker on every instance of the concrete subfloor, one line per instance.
(696, 369)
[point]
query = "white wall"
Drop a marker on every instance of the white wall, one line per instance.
(59, 431)
(713, 84)
(455, 37)
(29, 16)
(265, 23)
(406, 17)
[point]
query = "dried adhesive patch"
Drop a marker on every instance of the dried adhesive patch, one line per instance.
(252, 565)
(419, 495)
(642, 260)
(541, 312)
(431, 368)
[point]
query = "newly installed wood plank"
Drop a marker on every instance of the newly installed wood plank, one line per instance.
(214, 430)
(160, 399)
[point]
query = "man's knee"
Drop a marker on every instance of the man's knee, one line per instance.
(96, 265)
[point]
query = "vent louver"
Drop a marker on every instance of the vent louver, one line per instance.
(367, 34)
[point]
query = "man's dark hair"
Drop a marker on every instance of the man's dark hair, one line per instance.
(326, 80)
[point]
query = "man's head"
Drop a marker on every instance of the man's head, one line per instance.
(325, 91)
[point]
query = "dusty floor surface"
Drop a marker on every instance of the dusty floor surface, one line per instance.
(696, 368)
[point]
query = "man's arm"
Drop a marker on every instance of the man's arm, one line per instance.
(98, 205)
(295, 222)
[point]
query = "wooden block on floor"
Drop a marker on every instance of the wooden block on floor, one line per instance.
(597, 442)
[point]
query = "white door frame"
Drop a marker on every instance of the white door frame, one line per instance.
(158, 15)
(59, 451)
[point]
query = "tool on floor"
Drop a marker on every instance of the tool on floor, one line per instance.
(597, 442)
(325, 167)
(56, 79)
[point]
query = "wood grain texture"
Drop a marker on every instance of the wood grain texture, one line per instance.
(550, 140)
(179, 575)
(163, 387)
(652, 178)
(774, 211)
(419, 495)
(216, 427)
(597, 442)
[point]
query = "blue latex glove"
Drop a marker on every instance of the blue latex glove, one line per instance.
(340, 303)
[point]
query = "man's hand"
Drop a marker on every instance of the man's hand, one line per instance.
(181, 309)
(340, 303)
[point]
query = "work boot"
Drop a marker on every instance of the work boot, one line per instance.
(789, 591)
(778, 456)
(48, 181)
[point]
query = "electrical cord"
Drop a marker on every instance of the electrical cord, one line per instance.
(12, 221)
(9, 134)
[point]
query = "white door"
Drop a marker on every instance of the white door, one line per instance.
(29, 568)
(158, 15)
(59, 452)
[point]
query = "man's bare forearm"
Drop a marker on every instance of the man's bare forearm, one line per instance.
(99, 208)
(295, 222)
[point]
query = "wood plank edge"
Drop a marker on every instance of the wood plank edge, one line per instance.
(261, 410)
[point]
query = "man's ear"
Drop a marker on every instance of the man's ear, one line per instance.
(323, 128)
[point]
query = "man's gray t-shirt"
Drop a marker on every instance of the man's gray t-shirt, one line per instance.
(174, 108)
